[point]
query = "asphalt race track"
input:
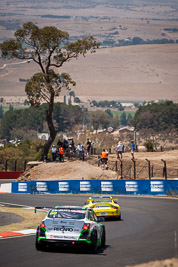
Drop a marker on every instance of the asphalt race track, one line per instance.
(148, 231)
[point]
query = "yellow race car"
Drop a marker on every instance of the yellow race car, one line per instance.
(104, 206)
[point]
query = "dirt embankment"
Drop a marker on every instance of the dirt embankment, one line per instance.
(78, 170)
(69, 170)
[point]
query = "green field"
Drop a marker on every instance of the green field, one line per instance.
(119, 113)
(6, 107)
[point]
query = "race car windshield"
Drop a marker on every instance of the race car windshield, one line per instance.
(66, 215)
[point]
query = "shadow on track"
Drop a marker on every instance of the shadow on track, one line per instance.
(74, 250)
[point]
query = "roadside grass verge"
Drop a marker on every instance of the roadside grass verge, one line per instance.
(31, 219)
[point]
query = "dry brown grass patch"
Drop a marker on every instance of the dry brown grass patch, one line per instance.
(31, 219)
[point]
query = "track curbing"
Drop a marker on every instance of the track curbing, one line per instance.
(17, 233)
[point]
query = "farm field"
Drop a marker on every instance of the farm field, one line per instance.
(132, 73)
(136, 73)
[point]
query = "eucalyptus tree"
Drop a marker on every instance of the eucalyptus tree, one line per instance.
(49, 48)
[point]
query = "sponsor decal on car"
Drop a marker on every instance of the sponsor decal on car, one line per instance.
(63, 229)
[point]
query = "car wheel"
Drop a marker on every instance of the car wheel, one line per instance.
(103, 239)
(118, 218)
(93, 246)
(38, 245)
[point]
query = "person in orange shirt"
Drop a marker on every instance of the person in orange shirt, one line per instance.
(104, 159)
(61, 154)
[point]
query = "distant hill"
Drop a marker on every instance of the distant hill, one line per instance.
(145, 72)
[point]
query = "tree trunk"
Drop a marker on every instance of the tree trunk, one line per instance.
(52, 131)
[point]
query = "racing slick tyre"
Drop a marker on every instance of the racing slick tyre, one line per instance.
(119, 218)
(93, 246)
(38, 245)
(103, 239)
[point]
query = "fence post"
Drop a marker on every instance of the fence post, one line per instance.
(121, 167)
(6, 164)
(25, 164)
(116, 166)
(149, 170)
(15, 165)
(152, 171)
(134, 168)
(83, 156)
(164, 169)
(99, 159)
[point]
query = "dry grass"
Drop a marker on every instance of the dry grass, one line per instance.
(145, 72)
(31, 219)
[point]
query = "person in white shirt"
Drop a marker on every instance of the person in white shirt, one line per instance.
(119, 150)
(54, 152)
(80, 150)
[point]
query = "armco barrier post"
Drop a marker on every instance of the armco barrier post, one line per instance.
(149, 170)
(164, 169)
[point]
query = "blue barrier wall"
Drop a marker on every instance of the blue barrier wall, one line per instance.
(118, 187)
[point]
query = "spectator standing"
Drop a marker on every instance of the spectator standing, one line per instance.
(71, 144)
(132, 149)
(59, 143)
(119, 150)
(92, 152)
(65, 145)
(88, 146)
(80, 150)
(54, 152)
(104, 159)
(61, 154)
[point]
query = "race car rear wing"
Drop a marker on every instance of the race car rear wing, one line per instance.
(100, 199)
(46, 209)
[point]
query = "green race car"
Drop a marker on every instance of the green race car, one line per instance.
(71, 227)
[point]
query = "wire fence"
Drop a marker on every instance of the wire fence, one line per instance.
(125, 169)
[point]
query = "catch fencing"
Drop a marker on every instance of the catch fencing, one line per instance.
(142, 169)
(125, 169)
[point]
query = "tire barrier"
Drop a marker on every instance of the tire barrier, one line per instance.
(116, 187)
